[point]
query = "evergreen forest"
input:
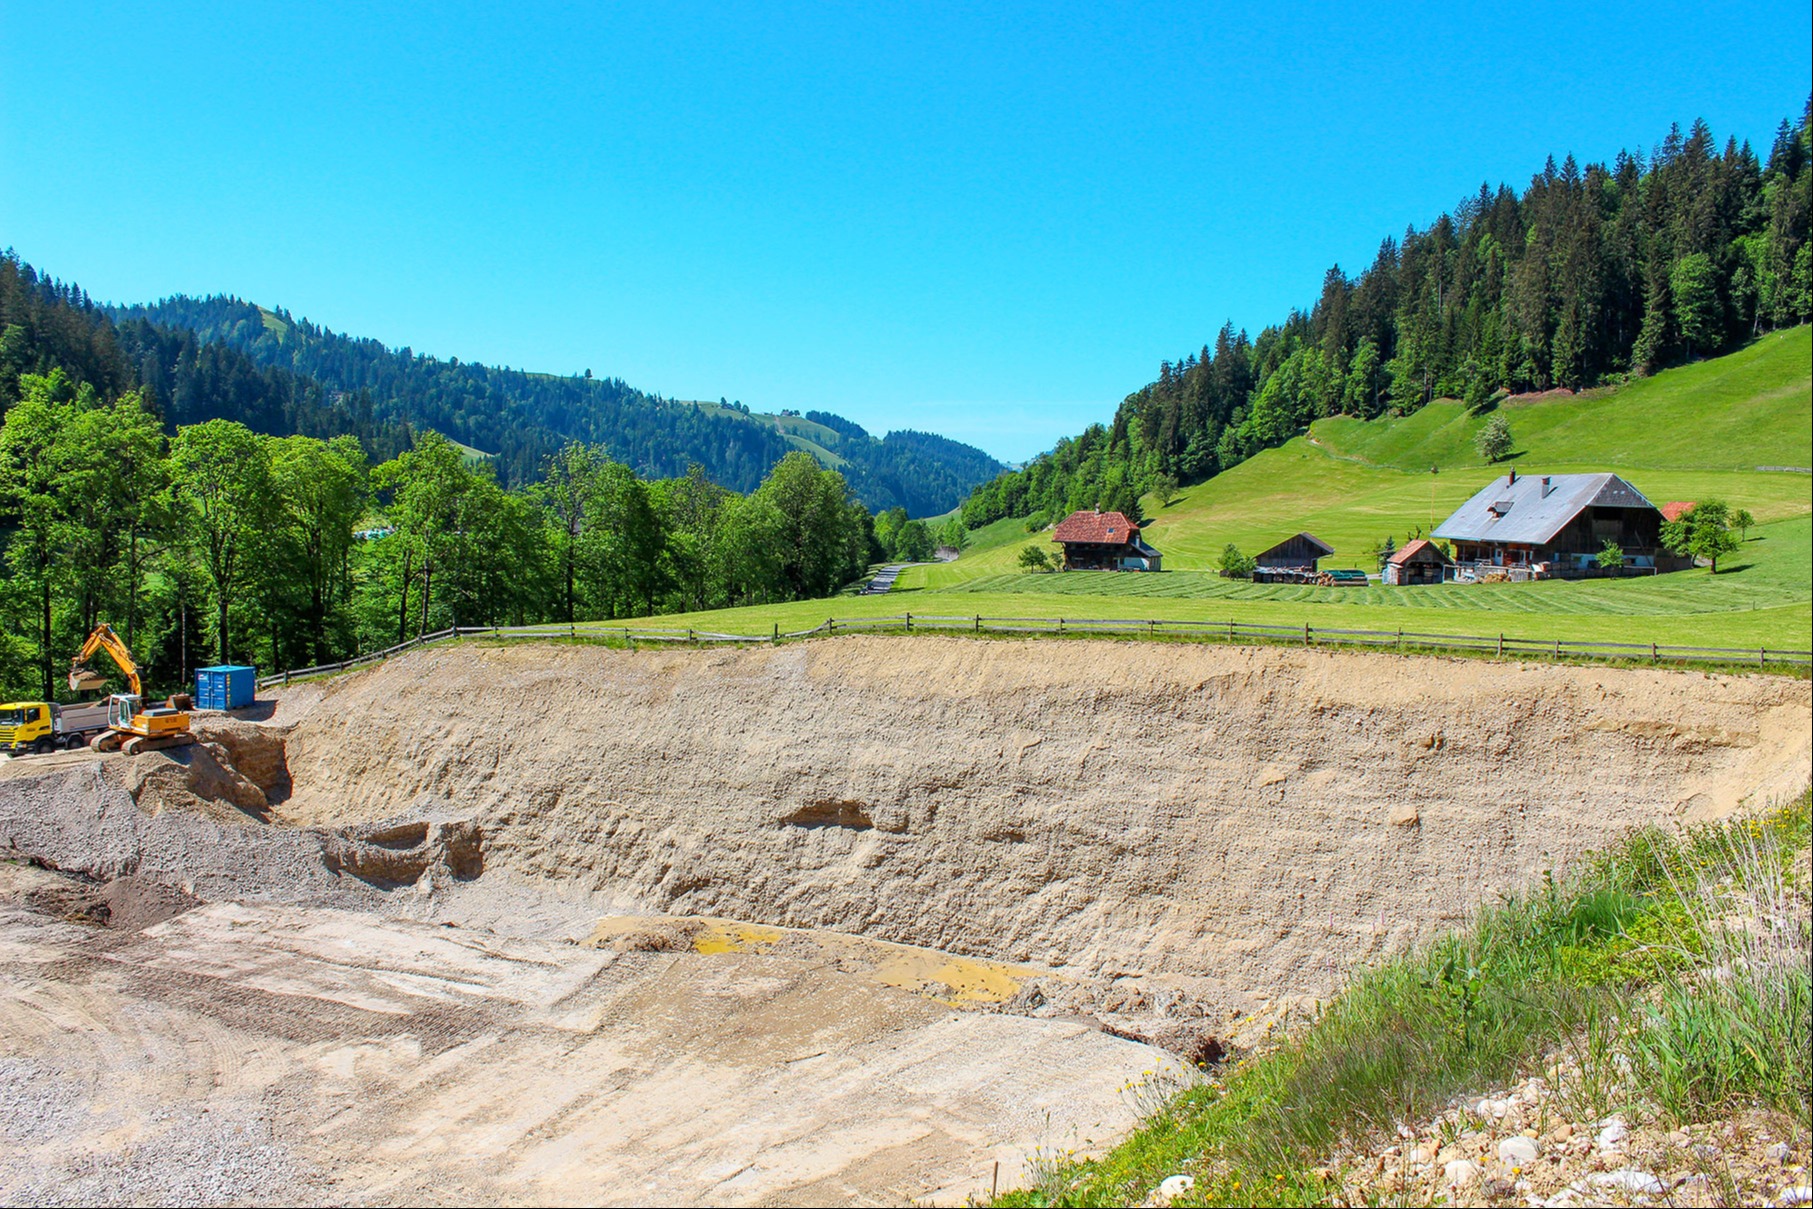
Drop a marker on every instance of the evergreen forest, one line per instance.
(522, 419)
(1591, 276)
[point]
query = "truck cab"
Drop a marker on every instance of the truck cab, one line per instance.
(25, 726)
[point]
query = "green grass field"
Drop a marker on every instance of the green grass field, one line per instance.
(1697, 432)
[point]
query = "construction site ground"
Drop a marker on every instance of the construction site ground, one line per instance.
(848, 922)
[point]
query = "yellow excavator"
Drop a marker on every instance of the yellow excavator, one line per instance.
(130, 725)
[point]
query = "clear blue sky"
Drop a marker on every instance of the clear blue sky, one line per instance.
(989, 221)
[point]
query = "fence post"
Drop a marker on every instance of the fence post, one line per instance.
(1400, 640)
(978, 623)
(1060, 625)
(909, 621)
(1762, 657)
(776, 640)
(1501, 646)
(1652, 652)
(689, 636)
(1306, 633)
(830, 625)
(1230, 629)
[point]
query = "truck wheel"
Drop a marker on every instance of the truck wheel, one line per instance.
(42, 747)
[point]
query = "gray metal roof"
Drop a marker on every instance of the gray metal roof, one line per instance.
(1531, 509)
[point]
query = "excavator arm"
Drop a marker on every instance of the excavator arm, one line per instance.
(104, 639)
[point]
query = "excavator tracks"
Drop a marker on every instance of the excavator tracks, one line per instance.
(141, 743)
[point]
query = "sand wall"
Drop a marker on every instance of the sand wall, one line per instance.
(1256, 818)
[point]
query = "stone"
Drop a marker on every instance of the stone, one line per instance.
(1172, 1187)
(1461, 1173)
(1628, 1179)
(1561, 1133)
(1405, 814)
(1612, 1133)
(1519, 1151)
(1800, 1194)
(1779, 1153)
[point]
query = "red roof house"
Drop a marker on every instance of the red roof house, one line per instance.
(1103, 541)
(1674, 510)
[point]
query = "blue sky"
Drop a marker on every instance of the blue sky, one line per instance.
(990, 221)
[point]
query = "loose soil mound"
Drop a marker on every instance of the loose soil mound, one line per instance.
(1248, 820)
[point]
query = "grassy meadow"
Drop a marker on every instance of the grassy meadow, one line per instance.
(1698, 432)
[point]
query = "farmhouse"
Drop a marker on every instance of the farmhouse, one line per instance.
(1103, 541)
(1292, 560)
(1420, 562)
(1557, 525)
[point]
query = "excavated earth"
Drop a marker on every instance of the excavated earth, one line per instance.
(850, 921)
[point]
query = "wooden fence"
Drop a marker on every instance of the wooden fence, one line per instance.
(1498, 646)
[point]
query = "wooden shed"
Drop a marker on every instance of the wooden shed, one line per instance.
(1420, 562)
(1292, 560)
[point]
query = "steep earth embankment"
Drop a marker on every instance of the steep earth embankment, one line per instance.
(1245, 822)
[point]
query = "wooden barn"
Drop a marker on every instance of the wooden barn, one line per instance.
(1420, 562)
(1103, 541)
(1292, 560)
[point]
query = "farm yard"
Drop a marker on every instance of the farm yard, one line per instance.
(1699, 432)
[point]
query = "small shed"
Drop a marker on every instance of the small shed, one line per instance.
(1420, 562)
(1299, 553)
(225, 686)
(1292, 560)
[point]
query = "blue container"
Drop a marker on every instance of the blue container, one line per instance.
(228, 686)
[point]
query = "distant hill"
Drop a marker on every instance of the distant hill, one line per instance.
(926, 474)
(519, 417)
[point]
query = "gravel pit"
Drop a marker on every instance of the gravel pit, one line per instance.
(838, 921)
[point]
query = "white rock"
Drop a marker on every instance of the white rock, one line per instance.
(1461, 1173)
(1778, 1152)
(1803, 1195)
(1629, 1179)
(1174, 1186)
(1518, 1151)
(1612, 1134)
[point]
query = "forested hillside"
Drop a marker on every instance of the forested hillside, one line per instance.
(1590, 275)
(307, 527)
(524, 418)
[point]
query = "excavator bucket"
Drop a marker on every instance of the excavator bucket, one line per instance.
(81, 679)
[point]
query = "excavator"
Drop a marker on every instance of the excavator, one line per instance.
(131, 726)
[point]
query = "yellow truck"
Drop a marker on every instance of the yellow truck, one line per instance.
(41, 726)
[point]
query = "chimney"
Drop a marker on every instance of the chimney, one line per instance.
(1546, 487)
(1511, 479)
